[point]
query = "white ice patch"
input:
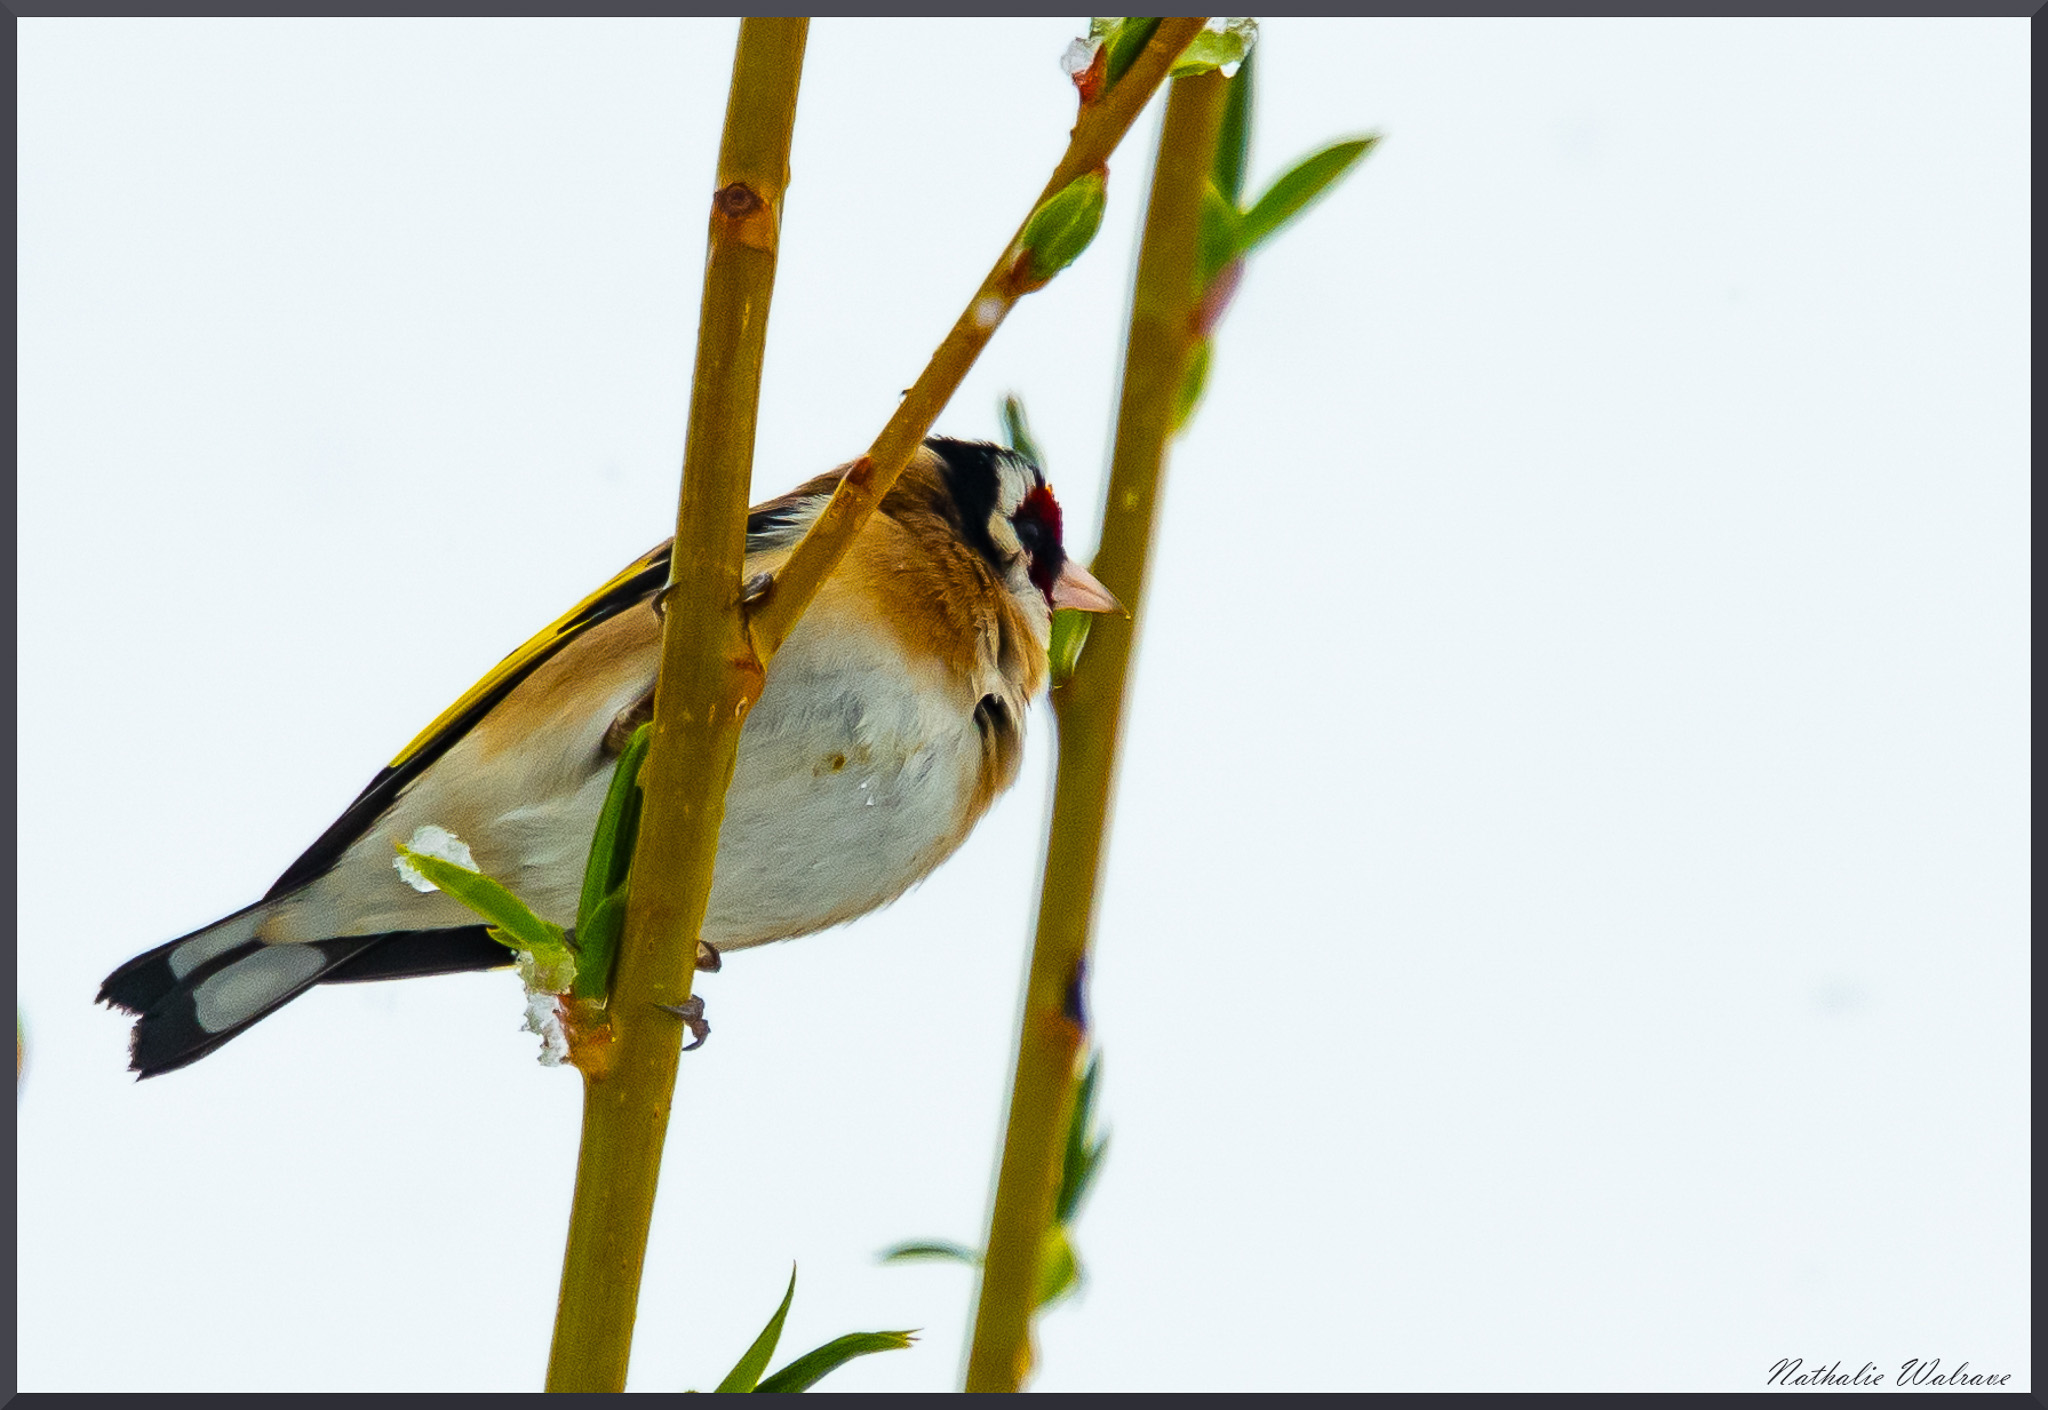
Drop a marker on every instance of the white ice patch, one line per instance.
(1245, 27)
(553, 977)
(544, 1016)
(988, 312)
(249, 986)
(1080, 54)
(432, 841)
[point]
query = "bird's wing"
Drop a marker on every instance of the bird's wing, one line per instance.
(634, 584)
(640, 580)
(778, 523)
(774, 524)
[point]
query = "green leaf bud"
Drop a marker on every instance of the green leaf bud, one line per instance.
(1064, 226)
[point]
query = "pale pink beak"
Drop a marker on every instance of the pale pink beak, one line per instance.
(1076, 587)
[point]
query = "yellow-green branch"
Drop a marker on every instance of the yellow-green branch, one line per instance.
(709, 677)
(1090, 709)
(1101, 127)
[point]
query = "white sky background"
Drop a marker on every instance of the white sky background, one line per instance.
(1565, 926)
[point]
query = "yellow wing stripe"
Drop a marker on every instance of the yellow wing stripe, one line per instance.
(551, 636)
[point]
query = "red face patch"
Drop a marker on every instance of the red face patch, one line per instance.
(1037, 522)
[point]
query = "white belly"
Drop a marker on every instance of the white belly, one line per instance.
(838, 804)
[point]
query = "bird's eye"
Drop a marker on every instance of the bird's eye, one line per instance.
(1037, 524)
(1030, 534)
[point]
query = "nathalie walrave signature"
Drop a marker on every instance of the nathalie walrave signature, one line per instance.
(1791, 1371)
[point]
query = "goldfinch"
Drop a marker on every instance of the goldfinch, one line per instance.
(889, 721)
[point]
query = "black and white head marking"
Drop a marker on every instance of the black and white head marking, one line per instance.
(1007, 513)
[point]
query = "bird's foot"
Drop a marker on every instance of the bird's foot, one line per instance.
(709, 961)
(691, 1012)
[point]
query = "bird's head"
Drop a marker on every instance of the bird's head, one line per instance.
(1007, 513)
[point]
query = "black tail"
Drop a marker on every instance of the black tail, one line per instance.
(409, 954)
(202, 989)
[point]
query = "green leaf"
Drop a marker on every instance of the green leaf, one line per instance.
(597, 945)
(935, 1250)
(1070, 628)
(1059, 1272)
(1125, 39)
(618, 825)
(1216, 244)
(1017, 431)
(1217, 49)
(601, 913)
(1083, 1153)
(1234, 142)
(813, 1366)
(1291, 194)
(747, 1373)
(1065, 225)
(1193, 383)
(489, 899)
